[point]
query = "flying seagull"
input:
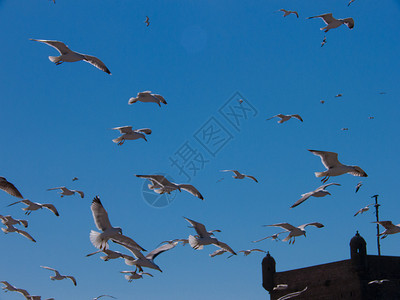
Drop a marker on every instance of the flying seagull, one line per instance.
(358, 186)
(109, 254)
(9, 188)
(363, 210)
(238, 175)
(345, 128)
(129, 134)
(58, 276)
(390, 228)
(100, 239)
(284, 118)
(334, 167)
(319, 192)
(247, 252)
(295, 231)
(147, 21)
(338, 95)
(67, 192)
(161, 185)
(288, 12)
(11, 228)
(323, 41)
(274, 237)
(280, 287)
(204, 238)
(75, 179)
(8, 220)
(332, 23)
(378, 281)
(184, 241)
(68, 55)
(291, 295)
(101, 296)
(148, 97)
(134, 275)
(35, 206)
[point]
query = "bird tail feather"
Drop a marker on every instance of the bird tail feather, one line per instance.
(117, 140)
(319, 174)
(194, 243)
(54, 59)
(97, 241)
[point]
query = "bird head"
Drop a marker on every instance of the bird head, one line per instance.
(119, 230)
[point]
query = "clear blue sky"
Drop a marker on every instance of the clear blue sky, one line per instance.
(56, 124)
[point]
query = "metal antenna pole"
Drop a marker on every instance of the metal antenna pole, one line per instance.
(377, 224)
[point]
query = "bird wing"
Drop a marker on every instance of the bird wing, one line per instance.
(218, 252)
(322, 187)
(273, 117)
(144, 94)
(303, 198)
(251, 177)
(124, 129)
(79, 192)
(191, 189)
(90, 254)
(23, 223)
(316, 224)
(327, 18)
(286, 226)
(27, 235)
(200, 228)
(52, 208)
(144, 130)
(224, 246)
(59, 46)
(349, 22)
(122, 239)
(9, 188)
(291, 295)
(358, 186)
(386, 224)
(297, 117)
(153, 254)
(157, 178)
(72, 278)
(145, 273)
(48, 268)
(97, 63)
(258, 250)
(159, 97)
(133, 250)
(57, 188)
(296, 13)
(23, 292)
(234, 171)
(100, 215)
(25, 201)
(328, 159)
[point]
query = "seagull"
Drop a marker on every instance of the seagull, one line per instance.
(109, 254)
(274, 237)
(390, 228)
(184, 242)
(334, 167)
(345, 128)
(67, 192)
(295, 231)
(247, 252)
(9, 188)
(218, 252)
(382, 93)
(147, 261)
(363, 210)
(58, 276)
(240, 101)
(129, 134)
(291, 295)
(68, 55)
(371, 118)
(319, 192)
(238, 175)
(75, 179)
(99, 240)
(332, 23)
(162, 185)
(11, 228)
(8, 220)
(284, 118)
(148, 97)
(379, 281)
(101, 296)
(35, 206)
(323, 41)
(133, 275)
(11, 288)
(288, 12)
(147, 21)
(351, 1)
(280, 287)
(358, 186)
(338, 95)
(322, 101)
(205, 238)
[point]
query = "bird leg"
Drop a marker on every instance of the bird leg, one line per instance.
(60, 61)
(121, 142)
(325, 179)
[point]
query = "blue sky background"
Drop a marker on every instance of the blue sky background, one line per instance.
(56, 124)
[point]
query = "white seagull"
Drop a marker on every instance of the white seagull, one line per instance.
(332, 23)
(148, 97)
(100, 239)
(274, 237)
(295, 231)
(319, 192)
(334, 167)
(134, 275)
(8, 220)
(238, 175)
(184, 242)
(378, 281)
(67, 192)
(58, 276)
(109, 254)
(11, 228)
(129, 134)
(284, 118)
(9, 188)
(204, 238)
(390, 228)
(280, 287)
(31, 206)
(247, 252)
(161, 185)
(363, 210)
(358, 186)
(288, 12)
(68, 55)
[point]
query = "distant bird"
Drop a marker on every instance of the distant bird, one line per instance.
(322, 101)
(101, 296)
(345, 129)
(382, 93)
(358, 186)
(35, 206)
(58, 276)
(334, 167)
(323, 41)
(390, 228)
(218, 252)
(204, 238)
(284, 118)
(68, 55)
(332, 23)
(351, 1)
(148, 97)
(161, 185)
(147, 21)
(292, 295)
(9, 188)
(134, 275)
(247, 252)
(338, 95)
(295, 231)
(100, 239)
(240, 101)
(274, 237)
(280, 287)
(75, 179)
(184, 242)
(319, 192)
(238, 175)
(8, 220)
(11, 228)
(288, 12)
(363, 210)
(379, 281)
(371, 118)
(109, 254)
(67, 192)
(129, 134)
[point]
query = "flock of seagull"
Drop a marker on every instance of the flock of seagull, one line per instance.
(102, 239)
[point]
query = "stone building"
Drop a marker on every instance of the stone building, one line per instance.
(346, 279)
